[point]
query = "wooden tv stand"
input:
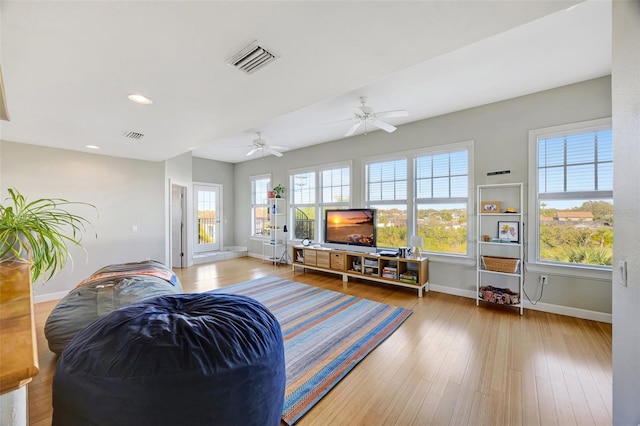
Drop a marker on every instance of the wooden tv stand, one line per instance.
(404, 272)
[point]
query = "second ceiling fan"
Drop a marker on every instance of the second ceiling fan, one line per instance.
(261, 145)
(364, 115)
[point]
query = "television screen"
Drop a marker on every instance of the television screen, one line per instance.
(352, 226)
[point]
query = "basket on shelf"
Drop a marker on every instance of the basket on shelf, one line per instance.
(500, 264)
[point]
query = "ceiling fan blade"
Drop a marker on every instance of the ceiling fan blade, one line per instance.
(353, 128)
(384, 126)
(279, 147)
(250, 153)
(395, 113)
(273, 151)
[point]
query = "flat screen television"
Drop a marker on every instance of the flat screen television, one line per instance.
(356, 227)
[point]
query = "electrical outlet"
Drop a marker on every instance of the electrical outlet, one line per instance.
(544, 279)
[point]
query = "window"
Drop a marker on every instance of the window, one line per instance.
(426, 194)
(208, 215)
(315, 190)
(303, 204)
(386, 191)
(259, 204)
(573, 189)
(442, 190)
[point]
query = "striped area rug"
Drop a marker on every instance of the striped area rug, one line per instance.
(326, 334)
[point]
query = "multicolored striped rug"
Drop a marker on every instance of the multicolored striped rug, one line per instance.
(326, 334)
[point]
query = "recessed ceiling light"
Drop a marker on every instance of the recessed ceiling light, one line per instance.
(140, 99)
(92, 147)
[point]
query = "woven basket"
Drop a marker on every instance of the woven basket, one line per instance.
(500, 264)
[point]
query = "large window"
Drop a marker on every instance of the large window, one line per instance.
(442, 191)
(573, 189)
(313, 191)
(386, 191)
(260, 186)
(424, 194)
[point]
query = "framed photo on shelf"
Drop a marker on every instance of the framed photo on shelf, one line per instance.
(490, 207)
(509, 231)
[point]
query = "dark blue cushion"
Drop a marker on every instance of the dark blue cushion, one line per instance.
(190, 359)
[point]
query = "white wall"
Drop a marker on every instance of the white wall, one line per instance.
(626, 152)
(127, 193)
(500, 134)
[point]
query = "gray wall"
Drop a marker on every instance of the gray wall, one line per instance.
(126, 193)
(626, 137)
(500, 135)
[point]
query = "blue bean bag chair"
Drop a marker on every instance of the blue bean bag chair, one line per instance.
(190, 359)
(107, 289)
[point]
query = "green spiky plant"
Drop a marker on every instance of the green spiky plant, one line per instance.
(40, 232)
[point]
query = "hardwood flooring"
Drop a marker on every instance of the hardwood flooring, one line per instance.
(450, 363)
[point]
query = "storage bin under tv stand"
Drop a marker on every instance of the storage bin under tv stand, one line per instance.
(366, 266)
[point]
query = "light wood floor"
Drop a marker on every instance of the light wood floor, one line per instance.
(450, 363)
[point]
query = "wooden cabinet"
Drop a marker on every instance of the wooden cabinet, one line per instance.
(309, 257)
(404, 272)
(337, 261)
(323, 259)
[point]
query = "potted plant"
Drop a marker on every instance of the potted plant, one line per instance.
(279, 190)
(38, 233)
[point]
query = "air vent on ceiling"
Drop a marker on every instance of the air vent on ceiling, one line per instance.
(134, 135)
(252, 58)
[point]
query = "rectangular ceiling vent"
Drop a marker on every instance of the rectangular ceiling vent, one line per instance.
(252, 58)
(134, 135)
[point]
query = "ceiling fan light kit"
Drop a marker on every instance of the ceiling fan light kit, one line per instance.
(365, 114)
(261, 145)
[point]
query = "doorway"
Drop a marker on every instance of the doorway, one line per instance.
(208, 217)
(178, 231)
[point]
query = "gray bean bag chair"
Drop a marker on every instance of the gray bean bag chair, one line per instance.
(107, 289)
(198, 359)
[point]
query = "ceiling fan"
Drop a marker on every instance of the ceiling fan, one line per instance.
(364, 114)
(261, 145)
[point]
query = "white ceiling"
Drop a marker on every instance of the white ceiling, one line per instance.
(69, 66)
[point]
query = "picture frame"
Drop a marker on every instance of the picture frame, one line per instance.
(490, 207)
(509, 231)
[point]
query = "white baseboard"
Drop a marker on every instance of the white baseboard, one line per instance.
(451, 290)
(542, 307)
(569, 311)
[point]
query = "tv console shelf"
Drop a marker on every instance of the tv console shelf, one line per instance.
(405, 272)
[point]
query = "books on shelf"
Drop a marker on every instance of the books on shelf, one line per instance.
(409, 276)
(390, 272)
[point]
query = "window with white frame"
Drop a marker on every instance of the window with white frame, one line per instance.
(386, 191)
(312, 192)
(425, 193)
(260, 204)
(442, 191)
(572, 195)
